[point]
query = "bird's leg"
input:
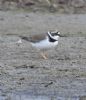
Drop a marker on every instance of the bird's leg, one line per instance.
(44, 55)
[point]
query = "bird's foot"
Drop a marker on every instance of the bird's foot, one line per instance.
(44, 56)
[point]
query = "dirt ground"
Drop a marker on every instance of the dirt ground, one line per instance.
(24, 75)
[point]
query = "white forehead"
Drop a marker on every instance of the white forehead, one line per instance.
(58, 32)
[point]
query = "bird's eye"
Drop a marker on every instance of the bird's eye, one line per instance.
(55, 33)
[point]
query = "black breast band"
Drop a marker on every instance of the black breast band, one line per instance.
(51, 39)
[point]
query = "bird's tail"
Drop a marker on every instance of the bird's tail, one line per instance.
(24, 38)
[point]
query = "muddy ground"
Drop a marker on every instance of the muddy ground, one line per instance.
(24, 75)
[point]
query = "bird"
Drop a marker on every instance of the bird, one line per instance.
(43, 42)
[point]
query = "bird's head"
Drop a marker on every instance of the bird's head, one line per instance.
(55, 34)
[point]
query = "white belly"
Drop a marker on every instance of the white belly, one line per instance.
(45, 44)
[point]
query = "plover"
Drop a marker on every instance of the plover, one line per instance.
(42, 42)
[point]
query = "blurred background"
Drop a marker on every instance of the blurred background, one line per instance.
(60, 6)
